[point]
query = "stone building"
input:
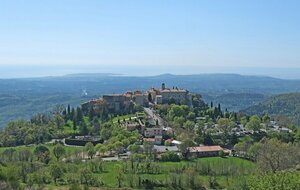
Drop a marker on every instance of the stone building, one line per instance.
(170, 95)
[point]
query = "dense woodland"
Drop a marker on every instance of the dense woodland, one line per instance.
(285, 104)
(260, 160)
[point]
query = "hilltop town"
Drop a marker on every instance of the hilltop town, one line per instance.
(144, 108)
(120, 103)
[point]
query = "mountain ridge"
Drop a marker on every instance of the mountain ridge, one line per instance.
(19, 97)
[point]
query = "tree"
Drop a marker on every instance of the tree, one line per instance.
(58, 151)
(134, 148)
(183, 147)
(224, 125)
(244, 120)
(150, 97)
(79, 114)
(118, 146)
(189, 126)
(233, 139)
(266, 119)
(72, 114)
(74, 126)
(101, 148)
(42, 153)
(56, 172)
(83, 128)
(254, 123)
(274, 155)
(90, 149)
(170, 157)
(191, 116)
(29, 139)
(68, 109)
(120, 177)
(221, 153)
(208, 140)
(105, 133)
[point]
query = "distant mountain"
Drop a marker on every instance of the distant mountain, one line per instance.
(21, 98)
(283, 104)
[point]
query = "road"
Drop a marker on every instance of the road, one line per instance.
(155, 117)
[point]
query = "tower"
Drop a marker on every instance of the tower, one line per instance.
(163, 86)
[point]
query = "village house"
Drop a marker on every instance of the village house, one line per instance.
(151, 132)
(205, 151)
(154, 141)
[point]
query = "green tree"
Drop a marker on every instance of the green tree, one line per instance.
(191, 116)
(79, 114)
(42, 153)
(56, 172)
(90, 149)
(101, 148)
(58, 151)
(254, 123)
(189, 126)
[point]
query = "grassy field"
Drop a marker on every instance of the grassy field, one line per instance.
(225, 171)
(242, 167)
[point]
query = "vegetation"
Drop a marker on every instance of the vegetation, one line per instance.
(30, 161)
(287, 105)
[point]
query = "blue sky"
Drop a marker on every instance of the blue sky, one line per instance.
(139, 37)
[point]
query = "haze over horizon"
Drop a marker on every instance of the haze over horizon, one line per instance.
(29, 71)
(53, 38)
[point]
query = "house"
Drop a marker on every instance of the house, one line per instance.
(176, 142)
(131, 126)
(204, 151)
(154, 141)
(152, 132)
(284, 130)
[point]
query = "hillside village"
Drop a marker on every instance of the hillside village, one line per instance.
(157, 131)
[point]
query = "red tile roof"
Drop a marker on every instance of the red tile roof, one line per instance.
(205, 149)
(149, 139)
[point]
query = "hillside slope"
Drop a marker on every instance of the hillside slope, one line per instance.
(283, 104)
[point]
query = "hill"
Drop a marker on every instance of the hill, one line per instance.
(283, 104)
(21, 98)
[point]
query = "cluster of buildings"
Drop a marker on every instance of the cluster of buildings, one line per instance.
(241, 130)
(150, 129)
(170, 95)
(122, 103)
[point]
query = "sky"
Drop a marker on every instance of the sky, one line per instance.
(142, 37)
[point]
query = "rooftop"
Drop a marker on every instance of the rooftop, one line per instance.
(205, 149)
(173, 90)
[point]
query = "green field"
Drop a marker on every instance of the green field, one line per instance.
(224, 171)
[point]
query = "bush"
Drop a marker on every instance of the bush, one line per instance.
(170, 157)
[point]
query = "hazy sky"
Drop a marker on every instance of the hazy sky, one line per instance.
(55, 37)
